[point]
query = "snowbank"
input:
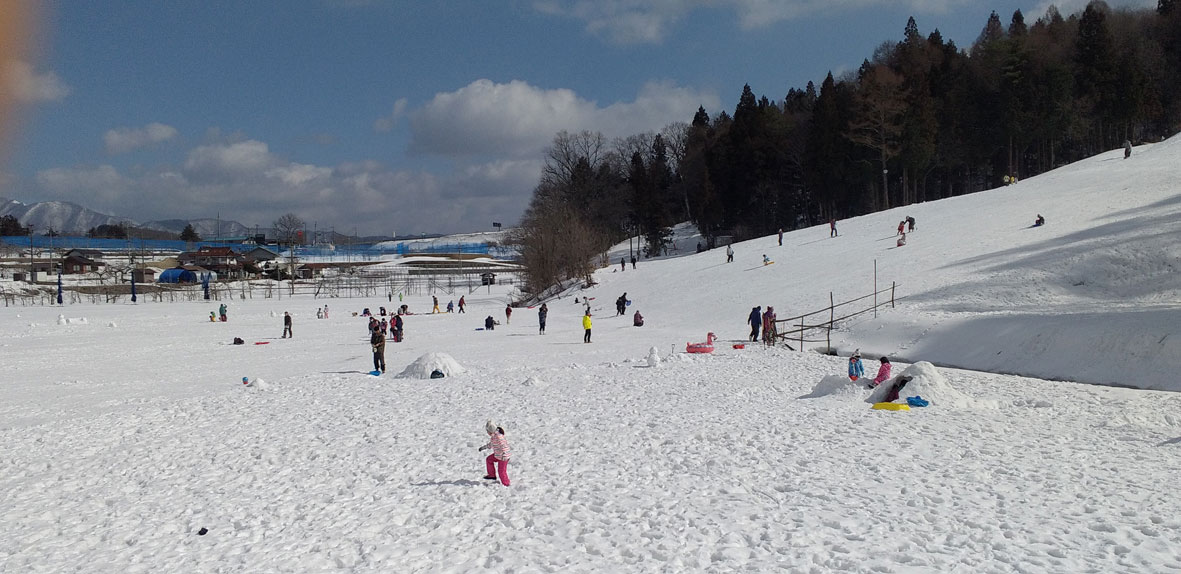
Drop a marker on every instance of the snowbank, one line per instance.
(428, 363)
(926, 381)
(837, 385)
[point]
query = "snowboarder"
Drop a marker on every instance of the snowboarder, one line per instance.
(633, 261)
(489, 323)
(729, 254)
(1040, 221)
(541, 315)
(1127, 149)
(766, 260)
(461, 303)
(832, 227)
(287, 325)
(508, 314)
(781, 237)
(856, 370)
(586, 324)
(436, 307)
(497, 462)
(222, 311)
(637, 320)
(756, 322)
(377, 341)
(909, 223)
(883, 372)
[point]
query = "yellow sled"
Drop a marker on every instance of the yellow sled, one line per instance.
(891, 406)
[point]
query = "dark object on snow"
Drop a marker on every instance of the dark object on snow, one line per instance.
(239, 341)
(203, 531)
(489, 323)
(899, 383)
(437, 374)
(917, 401)
(1040, 221)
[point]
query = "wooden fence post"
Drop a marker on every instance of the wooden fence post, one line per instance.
(828, 336)
(801, 332)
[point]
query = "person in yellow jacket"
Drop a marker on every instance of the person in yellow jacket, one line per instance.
(586, 324)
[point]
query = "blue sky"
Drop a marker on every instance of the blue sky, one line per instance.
(389, 116)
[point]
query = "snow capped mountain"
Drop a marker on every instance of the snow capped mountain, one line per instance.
(206, 228)
(61, 216)
(73, 219)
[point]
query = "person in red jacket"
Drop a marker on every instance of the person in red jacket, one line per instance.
(508, 314)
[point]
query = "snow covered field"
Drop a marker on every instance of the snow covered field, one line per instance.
(126, 429)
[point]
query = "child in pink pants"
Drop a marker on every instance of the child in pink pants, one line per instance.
(497, 461)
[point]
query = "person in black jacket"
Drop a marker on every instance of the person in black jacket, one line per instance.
(489, 323)
(756, 322)
(287, 325)
(541, 315)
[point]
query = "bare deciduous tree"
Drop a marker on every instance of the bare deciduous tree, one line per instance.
(288, 228)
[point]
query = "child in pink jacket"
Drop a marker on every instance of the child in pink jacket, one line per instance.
(883, 373)
(501, 453)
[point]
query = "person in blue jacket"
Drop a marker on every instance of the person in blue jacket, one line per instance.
(756, 322)
(856, 370)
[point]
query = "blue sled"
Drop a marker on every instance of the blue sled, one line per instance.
(375, 373)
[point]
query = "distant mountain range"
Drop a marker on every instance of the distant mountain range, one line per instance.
(72, 219)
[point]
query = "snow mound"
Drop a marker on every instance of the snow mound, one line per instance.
(426, 364)
(63, 320)
(926, 381)
(836, 385)
(258, 384)
(112, 324)
(535, 382)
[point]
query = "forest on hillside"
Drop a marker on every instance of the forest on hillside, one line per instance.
(921, 119)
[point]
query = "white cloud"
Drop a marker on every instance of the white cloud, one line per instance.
(217, 161)
(29, 86)
(122, 140)
(517, 120)
(387, 123)
(650, 21)
(246, 182)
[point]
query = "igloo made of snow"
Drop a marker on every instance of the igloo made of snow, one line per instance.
(927, 382)
(422, 367)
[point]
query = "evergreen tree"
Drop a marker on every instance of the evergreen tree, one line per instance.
(189, 234)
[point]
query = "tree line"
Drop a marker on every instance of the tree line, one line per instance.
(921, 119)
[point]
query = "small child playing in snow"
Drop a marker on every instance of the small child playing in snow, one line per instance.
(856, 371)
(497, 462)
(883, 373)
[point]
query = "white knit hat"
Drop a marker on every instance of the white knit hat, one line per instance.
(490, 427)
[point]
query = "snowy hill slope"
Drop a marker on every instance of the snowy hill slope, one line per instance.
(1093, 296)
